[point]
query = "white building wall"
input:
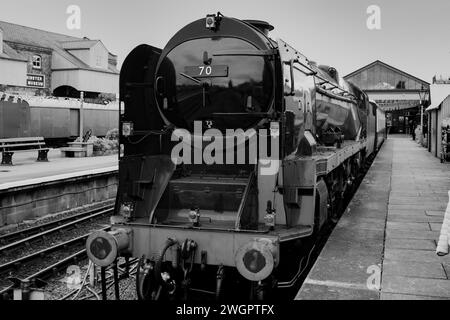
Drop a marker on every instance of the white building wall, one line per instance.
(99, 51)
(84, 80)
(59, 62)
(443, 113)
(446, 108)
(82, 54)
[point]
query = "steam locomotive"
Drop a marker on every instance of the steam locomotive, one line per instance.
(217, 226)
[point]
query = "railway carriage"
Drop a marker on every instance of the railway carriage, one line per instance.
(227, 225)
(55, 119)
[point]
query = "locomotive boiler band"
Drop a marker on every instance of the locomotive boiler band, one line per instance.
(224, 226)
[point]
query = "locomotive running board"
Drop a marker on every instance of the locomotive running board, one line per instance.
(328, 159)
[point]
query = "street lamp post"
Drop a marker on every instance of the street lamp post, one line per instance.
(81, 115)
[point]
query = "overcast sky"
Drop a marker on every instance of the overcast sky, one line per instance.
(414, 35)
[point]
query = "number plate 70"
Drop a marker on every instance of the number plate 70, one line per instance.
(206, 71)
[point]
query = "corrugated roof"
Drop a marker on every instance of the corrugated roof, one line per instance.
(438, 93)
(46, 39)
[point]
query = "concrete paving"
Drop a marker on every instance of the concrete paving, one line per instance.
(384, 245)
(25, 166)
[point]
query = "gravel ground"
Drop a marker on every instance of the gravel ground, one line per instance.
(58, 288)
(55, 239)
(29, 268)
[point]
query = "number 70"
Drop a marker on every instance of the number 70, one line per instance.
(207, 70)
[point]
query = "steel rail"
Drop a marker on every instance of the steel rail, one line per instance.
(9, 237)
(50, 270)
(15, 264)
(53, 230)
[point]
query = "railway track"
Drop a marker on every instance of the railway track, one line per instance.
(10, 237)
(132, 269)
(44, 273)
(49, 270)
(50, 228)
(58, 256)
(54, 269)
(17, 263)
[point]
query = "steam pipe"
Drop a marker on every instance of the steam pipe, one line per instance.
(169, 243)
(219, 282)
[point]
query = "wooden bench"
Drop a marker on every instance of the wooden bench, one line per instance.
(9, 146)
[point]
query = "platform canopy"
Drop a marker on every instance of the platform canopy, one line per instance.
(393, 105)
(392, 88)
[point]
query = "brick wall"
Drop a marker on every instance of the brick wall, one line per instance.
(46, 68)
(35, 201)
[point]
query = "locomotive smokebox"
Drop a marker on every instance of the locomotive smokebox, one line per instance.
(263, 26)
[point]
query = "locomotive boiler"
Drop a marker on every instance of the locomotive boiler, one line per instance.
(204, 200)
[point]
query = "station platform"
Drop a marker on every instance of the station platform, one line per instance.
(27, 171)
(384, 245)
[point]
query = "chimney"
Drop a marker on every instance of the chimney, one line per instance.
(263, 26)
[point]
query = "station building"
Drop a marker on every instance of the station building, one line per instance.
(35, 62)
(438, 115)
(401, 95)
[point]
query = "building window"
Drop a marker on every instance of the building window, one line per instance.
(99, 61)
(37, 62)
(400, 85)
